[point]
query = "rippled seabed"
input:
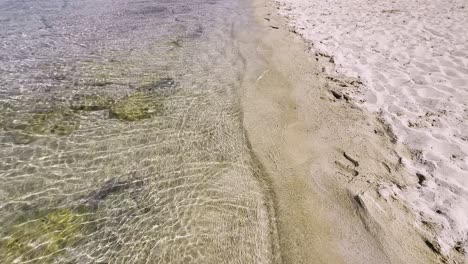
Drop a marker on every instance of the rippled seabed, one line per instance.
(121, 135)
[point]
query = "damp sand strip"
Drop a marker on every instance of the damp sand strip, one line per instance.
(330, 207)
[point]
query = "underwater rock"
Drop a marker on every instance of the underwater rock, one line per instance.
(136, 107)
(109, 187)
(58, 121)
(160, 84)
(43, 236)
(91, 102)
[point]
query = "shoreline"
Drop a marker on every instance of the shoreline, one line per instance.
(326, 158)
(192, 132)
(411, 58)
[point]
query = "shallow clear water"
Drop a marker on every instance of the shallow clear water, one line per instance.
(121, 137)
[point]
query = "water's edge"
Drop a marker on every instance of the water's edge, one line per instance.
(326, 159)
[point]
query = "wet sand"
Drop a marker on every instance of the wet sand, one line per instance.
(326, 158)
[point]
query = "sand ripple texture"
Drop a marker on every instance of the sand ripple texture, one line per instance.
(121, 137)
(413, 59)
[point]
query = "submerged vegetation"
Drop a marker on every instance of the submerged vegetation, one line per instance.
(136, 106)
(44, 236)
(62, 121)
(94, 102)
(25, 127)
(56, 121)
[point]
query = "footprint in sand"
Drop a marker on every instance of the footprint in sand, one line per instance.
(350, 168)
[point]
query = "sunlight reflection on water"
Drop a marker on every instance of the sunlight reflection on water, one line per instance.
(121, 135)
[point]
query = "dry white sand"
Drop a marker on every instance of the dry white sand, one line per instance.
(412, 57)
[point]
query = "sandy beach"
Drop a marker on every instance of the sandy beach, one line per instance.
(347, 185)
(385, 70)
(233, 131)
